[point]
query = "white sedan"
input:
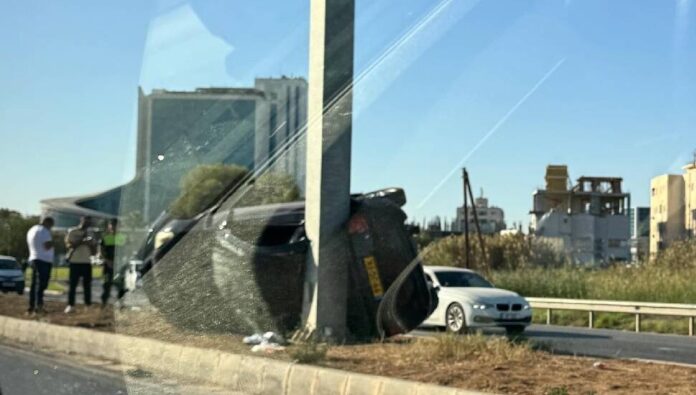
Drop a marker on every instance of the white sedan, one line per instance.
(469, 301)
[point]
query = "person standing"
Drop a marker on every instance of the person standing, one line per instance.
(81, 247)
(41, 254)
(110, 241)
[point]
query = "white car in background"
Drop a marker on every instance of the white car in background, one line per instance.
(469, 301)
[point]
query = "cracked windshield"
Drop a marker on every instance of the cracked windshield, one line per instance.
(348, 197)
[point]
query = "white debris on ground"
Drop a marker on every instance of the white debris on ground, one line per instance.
(269, 342)
(599, 365)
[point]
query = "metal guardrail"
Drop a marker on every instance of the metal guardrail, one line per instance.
(605, 306)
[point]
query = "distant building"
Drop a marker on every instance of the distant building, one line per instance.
(666, 211)
(587, 221)
(491, 219)
(639, 222)
(178, 130)
(690, 199)
(511, 232)
(673, 208)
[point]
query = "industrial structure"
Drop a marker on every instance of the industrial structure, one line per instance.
(672, 208)
(587, 221)
(179, 130)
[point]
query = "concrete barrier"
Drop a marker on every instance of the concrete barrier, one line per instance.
(247, 374)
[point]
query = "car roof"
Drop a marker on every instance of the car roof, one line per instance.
(10, 258)
(447, 269)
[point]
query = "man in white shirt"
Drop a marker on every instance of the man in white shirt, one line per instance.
(41, 254)
(81, 247)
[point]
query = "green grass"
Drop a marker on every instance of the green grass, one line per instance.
(60, 276)
(649, 283)
(656, 324)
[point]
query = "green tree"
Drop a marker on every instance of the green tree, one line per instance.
(13, 230)
(202, 185)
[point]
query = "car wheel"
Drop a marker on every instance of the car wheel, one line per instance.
(455, 319)
(20, 292)
(514, 329)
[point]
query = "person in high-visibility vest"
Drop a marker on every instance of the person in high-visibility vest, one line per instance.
(110, 241)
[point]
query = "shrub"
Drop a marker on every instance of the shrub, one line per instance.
(507, 252)
(271, 188)
(309, 352)
(202, 185)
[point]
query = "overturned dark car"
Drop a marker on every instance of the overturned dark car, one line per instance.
(242, 269)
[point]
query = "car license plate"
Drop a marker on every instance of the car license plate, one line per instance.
(508, 316)
(8, 284)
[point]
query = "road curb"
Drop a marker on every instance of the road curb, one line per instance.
(658, 362)
(248, 374)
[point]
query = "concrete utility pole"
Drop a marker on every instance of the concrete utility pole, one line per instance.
(328, 165)
(467, 252)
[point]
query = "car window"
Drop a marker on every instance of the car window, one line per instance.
(457, 279)
(6, 264)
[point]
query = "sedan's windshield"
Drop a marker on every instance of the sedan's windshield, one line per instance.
(456, 279)
(6, 264)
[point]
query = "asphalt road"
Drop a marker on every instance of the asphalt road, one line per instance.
(608, 343)
(24, 372)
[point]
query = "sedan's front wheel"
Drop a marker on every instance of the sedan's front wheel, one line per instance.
(455, 319)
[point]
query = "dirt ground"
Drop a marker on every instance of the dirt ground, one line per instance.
(485, 365)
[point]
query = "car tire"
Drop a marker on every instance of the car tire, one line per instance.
(455, 319)
(514, 329)
(20, 292)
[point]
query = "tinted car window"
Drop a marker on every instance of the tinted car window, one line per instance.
(6, 264)
(455, 279)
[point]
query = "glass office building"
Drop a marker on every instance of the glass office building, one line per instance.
(254, 127)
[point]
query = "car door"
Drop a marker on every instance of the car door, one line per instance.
(436, 318)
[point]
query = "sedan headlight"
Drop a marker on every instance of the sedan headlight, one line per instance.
(526, 306)
(482, 306)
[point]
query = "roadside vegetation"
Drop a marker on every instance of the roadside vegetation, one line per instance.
(532, 268)
(454, 348)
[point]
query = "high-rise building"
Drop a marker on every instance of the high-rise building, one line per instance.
(666, 211)
(250, 127)
(258, 128)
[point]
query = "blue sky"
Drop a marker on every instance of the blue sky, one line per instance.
(503, 87)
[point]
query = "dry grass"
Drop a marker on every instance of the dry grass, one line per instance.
(473, 362)
(453, 348)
